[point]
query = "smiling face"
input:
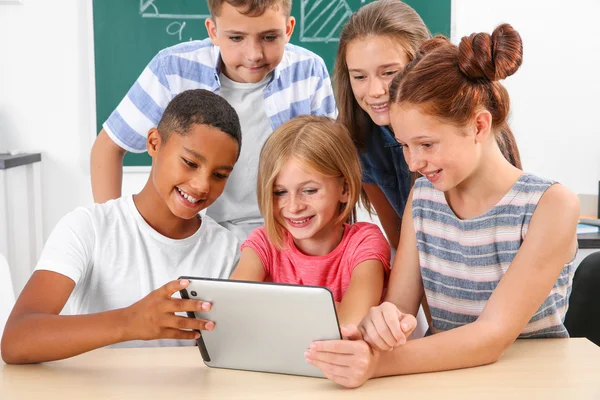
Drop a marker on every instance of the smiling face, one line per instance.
(306, 203)
(445, 154)
(251, 46)
(189, 172)
(372, 64)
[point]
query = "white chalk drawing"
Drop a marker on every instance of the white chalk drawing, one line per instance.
(320, 20)
(149, 9)
(322, 24)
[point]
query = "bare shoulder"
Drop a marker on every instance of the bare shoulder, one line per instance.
(559, 200)
(554, 222)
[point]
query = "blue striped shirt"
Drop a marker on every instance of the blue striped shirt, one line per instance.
(462, 261)
(300, 85)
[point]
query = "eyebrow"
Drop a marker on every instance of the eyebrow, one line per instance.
(234, 32)
(300, 184)
(384, 66)
(201, 158)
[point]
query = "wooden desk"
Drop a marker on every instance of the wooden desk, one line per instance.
(550, 369)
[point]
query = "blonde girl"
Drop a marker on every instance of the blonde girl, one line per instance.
(308, 186)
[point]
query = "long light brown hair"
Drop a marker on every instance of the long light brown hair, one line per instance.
(320, 143)
(454, 82)
(390, 18)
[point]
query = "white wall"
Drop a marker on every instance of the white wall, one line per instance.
(555, 94)
(46, 97)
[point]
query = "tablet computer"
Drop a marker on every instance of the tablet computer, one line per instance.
(262, 326)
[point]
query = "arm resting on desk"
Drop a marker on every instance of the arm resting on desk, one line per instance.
(550, 244)
(36, 333)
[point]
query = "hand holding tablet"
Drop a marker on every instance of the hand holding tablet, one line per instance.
(262, 326)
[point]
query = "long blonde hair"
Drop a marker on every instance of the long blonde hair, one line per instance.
(321, 144)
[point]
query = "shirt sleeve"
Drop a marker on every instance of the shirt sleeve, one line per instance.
(370, 244)
(69, 249)
(141, 109)
(259, 242)
(366, 169)
(323, 101)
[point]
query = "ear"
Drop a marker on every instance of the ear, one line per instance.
(153, 142)
(289, 28)
(345, 196)
(211, 29)
(483, 125)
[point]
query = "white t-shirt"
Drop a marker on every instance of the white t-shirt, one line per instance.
(237, 208)
(116, 258)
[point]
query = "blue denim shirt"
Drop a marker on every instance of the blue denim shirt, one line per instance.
(384, 165)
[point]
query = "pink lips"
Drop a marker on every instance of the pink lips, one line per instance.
(432, 178)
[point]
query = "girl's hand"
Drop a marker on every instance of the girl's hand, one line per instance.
(153, 317)
(385, 327)
(349, 362)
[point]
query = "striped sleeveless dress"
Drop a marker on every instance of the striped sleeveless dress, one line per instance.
(462, 261)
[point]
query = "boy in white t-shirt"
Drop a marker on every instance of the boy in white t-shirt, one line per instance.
(100, 262)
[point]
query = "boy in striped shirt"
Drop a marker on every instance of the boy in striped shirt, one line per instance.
(248, 61)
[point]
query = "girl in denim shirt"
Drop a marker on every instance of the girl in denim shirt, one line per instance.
(377, 43)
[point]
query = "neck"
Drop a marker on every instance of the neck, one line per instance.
(323, 242)
(157, 214)
(479, 192)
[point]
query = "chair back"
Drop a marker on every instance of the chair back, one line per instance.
(583, 315)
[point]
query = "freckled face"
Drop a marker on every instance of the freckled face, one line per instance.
(306, 202)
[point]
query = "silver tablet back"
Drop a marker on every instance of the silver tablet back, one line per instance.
(263, 326)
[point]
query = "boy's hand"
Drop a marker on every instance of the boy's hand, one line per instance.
(385, 327)
(153, 316)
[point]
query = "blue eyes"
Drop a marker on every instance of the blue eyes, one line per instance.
(280, 193)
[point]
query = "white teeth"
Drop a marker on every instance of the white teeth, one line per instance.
(188, 197)
(300, 222)
(379, 107)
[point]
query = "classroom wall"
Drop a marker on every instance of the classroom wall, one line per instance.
(554, 95)
(46, 90)
(45, 93)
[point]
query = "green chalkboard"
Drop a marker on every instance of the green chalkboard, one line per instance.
(128, 33)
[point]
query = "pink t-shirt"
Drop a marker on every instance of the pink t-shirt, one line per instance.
(361, 241)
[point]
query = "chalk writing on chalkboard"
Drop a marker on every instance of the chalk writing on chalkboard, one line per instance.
(320, 20)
